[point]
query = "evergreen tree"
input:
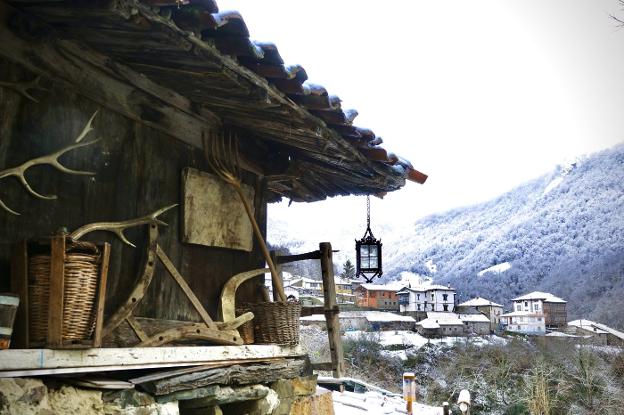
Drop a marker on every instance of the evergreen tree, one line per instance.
(348, 270)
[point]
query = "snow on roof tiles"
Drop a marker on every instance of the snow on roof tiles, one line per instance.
(474, 318)
(596, 327)
(479, 302)
(382, 287)
(538, 295)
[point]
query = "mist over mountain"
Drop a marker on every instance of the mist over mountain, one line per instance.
(562, 233)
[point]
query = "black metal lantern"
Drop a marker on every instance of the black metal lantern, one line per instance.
(368, 252)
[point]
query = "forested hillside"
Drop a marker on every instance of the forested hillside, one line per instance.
(562, 232)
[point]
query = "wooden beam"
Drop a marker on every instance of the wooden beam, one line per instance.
(285, 259)
(57, 283)
(106, 82)
(331, 310)
(19, 285)
(129, 357)
(196, 385)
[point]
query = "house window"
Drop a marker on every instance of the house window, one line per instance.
(536, 306)
(432, 297)
(418, 305)
(526, 304)
(445, 297)
(418, 296)
(445, 307)
(518, 307)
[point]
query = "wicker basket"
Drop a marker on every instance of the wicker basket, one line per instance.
(81, 279)
(246, 330)
(276, 323)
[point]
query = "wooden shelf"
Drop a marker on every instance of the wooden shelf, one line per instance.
(34, 362)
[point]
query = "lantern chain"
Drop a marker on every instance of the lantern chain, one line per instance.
(368, 211)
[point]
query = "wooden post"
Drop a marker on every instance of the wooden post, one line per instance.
(101, 296)
(445, 408)
(19, 285)
(331, 310)
(57, 282)
(278, 268)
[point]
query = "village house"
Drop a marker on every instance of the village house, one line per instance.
(312, 290)
(131, 115)
(536, 312)
(600, 334)
(424, 298)
(379, 296)
(490, 309)
(365, 321)
(475, 323)
(441, 324)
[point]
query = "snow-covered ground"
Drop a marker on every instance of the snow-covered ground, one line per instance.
(349, 403)
(413, 340)
(495, 269)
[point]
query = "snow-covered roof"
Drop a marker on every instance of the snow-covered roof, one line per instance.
(474, 318)
(382, 287)
(441, 318)
(479, 302)
(338, 280)
(538, 295)
(428, 324)
(596, 327)
(429, 287)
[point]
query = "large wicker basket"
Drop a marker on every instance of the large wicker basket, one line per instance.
(276, 323)
(80, 288)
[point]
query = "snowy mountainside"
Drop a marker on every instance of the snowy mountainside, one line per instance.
(562, 232)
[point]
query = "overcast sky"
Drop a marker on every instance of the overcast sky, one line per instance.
(480, 95)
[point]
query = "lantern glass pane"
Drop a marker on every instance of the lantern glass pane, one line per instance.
(372, 262)
(364, 257)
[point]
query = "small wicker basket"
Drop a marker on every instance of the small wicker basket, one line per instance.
(246, 330)
(276, 323)
(80, 288)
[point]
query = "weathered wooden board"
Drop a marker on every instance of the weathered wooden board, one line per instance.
(213, 212)
(190, 386)
(24, 359)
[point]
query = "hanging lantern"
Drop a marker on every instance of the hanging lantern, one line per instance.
(368, 252)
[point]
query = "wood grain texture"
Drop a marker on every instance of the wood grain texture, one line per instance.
(138, 170)
(188, 386)
(57, 283)
(213, 213)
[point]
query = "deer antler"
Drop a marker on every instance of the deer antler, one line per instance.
(118, 227)
(50, 159)
(23, 87)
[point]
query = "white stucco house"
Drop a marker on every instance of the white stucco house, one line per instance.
(490, 309)
(535, 312)
(425, 298)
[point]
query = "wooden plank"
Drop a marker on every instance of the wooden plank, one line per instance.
(331, 310)
(191, 386)
(176, 372)
(25, 359)
(136, 327)
(226, 225)
(185, 287)
(111, 84)
(101, 296)
(285, 259)
(57, 279)
(19, 285)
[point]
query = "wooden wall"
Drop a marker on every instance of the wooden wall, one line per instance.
(138, 171)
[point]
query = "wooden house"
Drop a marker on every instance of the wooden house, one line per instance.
(145, 112)
(378, 296)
